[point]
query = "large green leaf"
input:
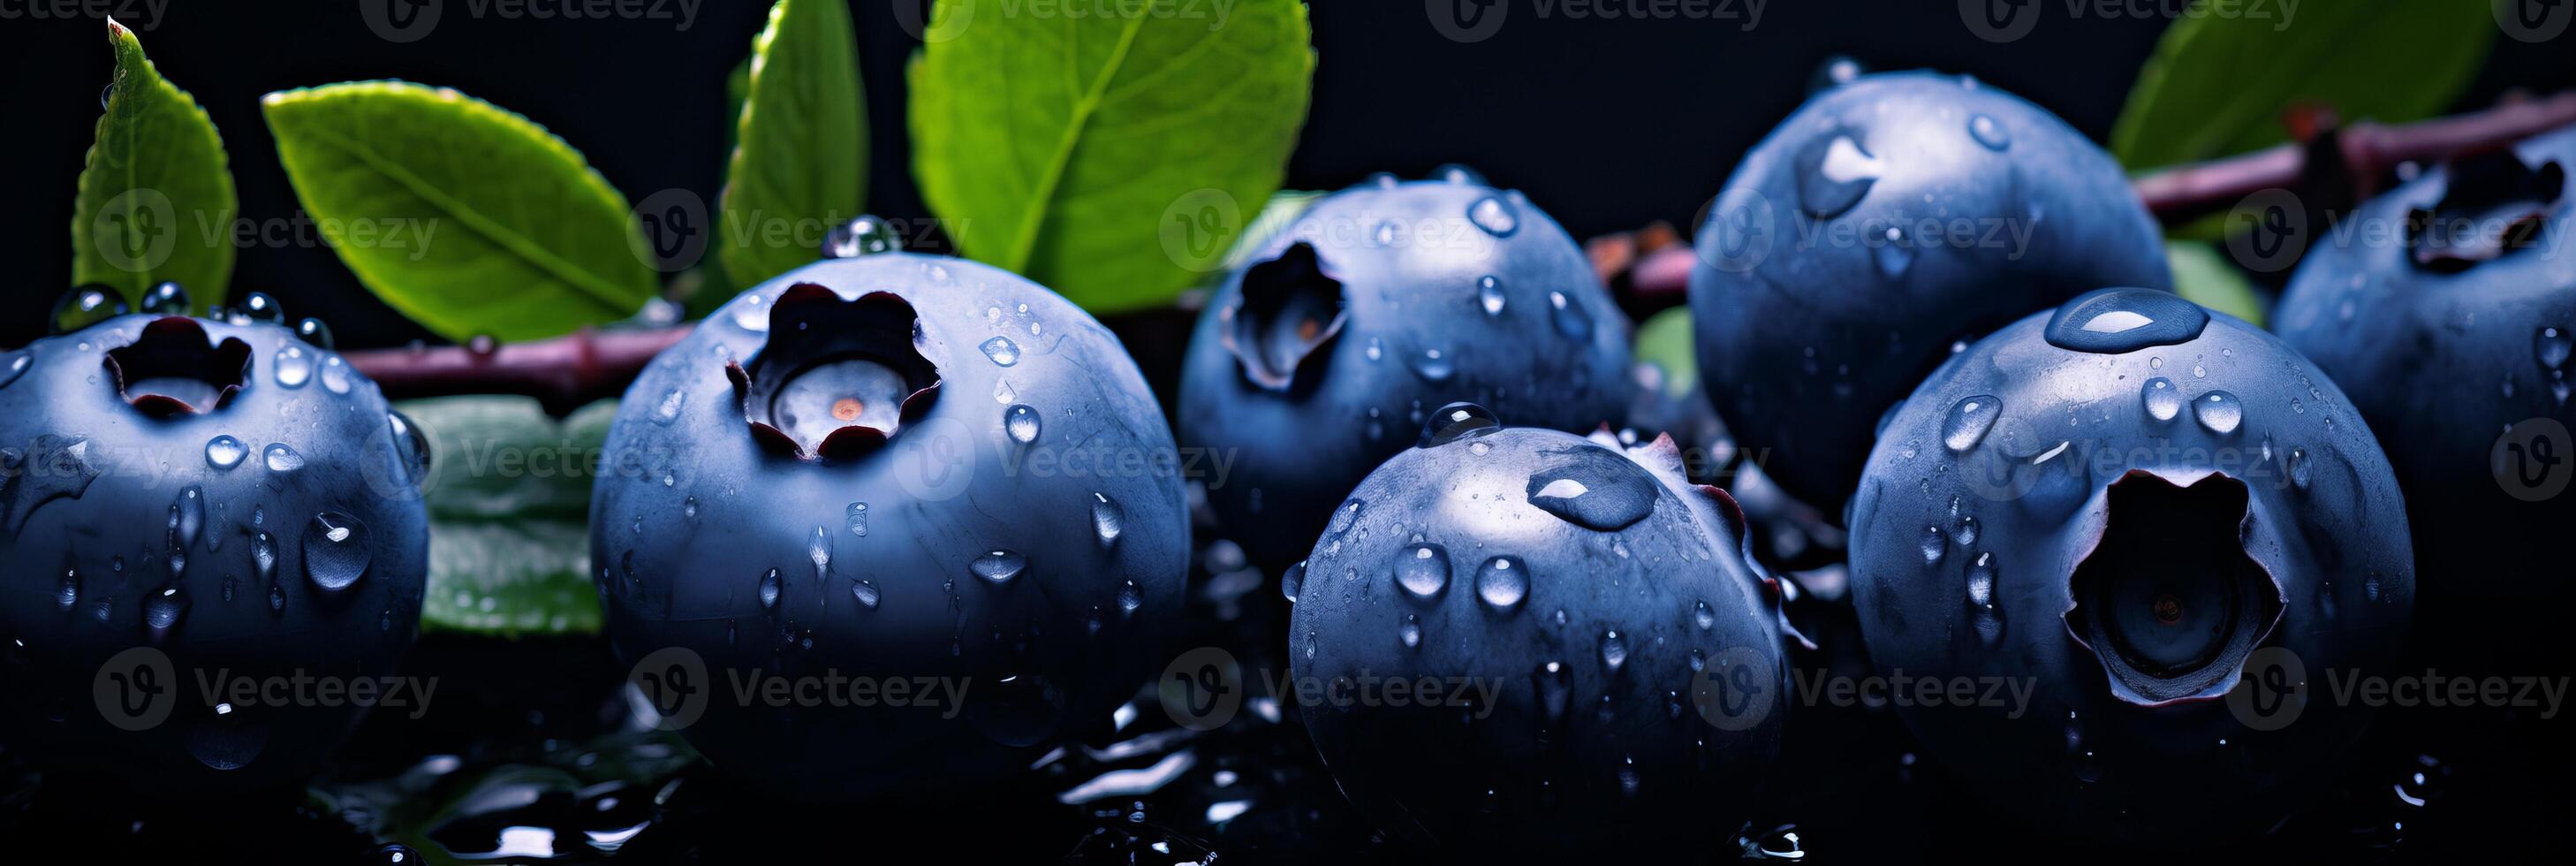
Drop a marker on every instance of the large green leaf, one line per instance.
(2218, 84)
(800, 162)
(1080, 149)
(509, 498)
(465, 217)
(156, 197)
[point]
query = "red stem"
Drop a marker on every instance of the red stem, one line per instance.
(563, 373)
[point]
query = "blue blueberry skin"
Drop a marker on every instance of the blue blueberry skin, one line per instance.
(235, 500)
(1381, 303)
(1811, 320)
(2459, 357)
(1625, 660)
(2135, 509)
(1019, 530)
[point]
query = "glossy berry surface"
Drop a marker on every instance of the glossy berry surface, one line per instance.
(1621, 660)
(226, 501)
(891, 467)
(1886, 220)
(2138, 509)
(2459, 319)
(1319, 359)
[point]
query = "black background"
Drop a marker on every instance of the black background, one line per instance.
(1609, 124)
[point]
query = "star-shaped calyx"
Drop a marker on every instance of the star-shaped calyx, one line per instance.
(1289, 312)
(838, 379)
(175, 369)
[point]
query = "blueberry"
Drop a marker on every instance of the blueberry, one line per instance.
(1608, 664)
(2137, 509)
(184, 501)
(890, 467)
(2455, 332)
(1885, 221)
(1317, 361)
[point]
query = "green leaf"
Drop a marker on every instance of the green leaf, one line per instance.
(2219, 84)
(156, 196)
(1085, 151)
(2204, 276)
(801, 161)
(465, 217)
(509, 499)
(1664, 340)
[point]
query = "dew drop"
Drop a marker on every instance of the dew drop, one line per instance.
(162, 611)
(336, 551)
(818, 550)
(1489, 294)
(1989, 133)
(281, 458)
(2162, 399)
(769, 588)
(1457, 421)
(225, 452)
(1495, 216)
(1344, 516)
(1969, 420)
(15, 367)
(1422, 570)
(858, 517)
(1433, 365)
(1703, 616)
(1107, 520)
(2551, 347)
(1292, 580)
(1934, 545)
(1502, 583)
(2302, 473)
(294, 367)
(2219, 411)
(1021, 422)
(335, 374)
(1569, 316)
(1833, 175)
(998, 567)
(67, 594)
(1614, 651)
(865, 594)
(1412, 632)
(668, 410)
(1001, 350)
(1130, 597)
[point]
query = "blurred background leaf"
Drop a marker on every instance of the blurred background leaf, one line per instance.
(2219, 84)
(509, 501)
(801, 152)
(156, 198)
(1063, 148)
(482, 221)
(1664, 340)
(2205, 276)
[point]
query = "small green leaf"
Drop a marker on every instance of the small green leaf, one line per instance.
(465, 217)
(156, 196)
(1108, 156)
(2205, 277)
(1664, 340)
(2219, 84)
(801, 162)
(509, 500)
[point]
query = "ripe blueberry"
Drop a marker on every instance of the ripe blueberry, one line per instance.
(2131, 506)
(1885, 221)
(191, 502)
(907, 471)
(2456, 338)
(1607, 664)
(1316, 361)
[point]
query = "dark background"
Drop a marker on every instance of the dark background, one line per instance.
(1608, 124)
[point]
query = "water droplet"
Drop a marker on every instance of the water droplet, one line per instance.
(1503, 582)
(858, 518)
(257, 307)
(1570, 317)
(1969, 420)
(1934, 544)
(1594, 488)
(315, 332)
(1292, 580)
(2302, 472)
(85, 306)
(818, 549)
(998, 567)
(1344, 516)
(2163, 400)
(1423, 570)
(1614, 651)
(1433, 365)
(689, 508)
(1003, 393)
(1555, 690)
(2551, 346)
(1989, 133)
(1833, 175)
(166, 299)
(189, 513)
(866, 235)
(1130, 597)
(1965, 531)
(1107, 520)
(162, 611)
(1021, 421)
(14, 367)
(2114, 321)
(281, 458)
(225, 452)
(770, 586)
(336, 551)
(1457, 421)
(1495, 216)
(1001, 350)
(67, 594)
(1489, 294)
(752, 314)
(865, 593)
(1412, 632)
(1895, 253)
(1703, 616)
(335, 374)
(668, 410)
(294, 366)
(2219, 411)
